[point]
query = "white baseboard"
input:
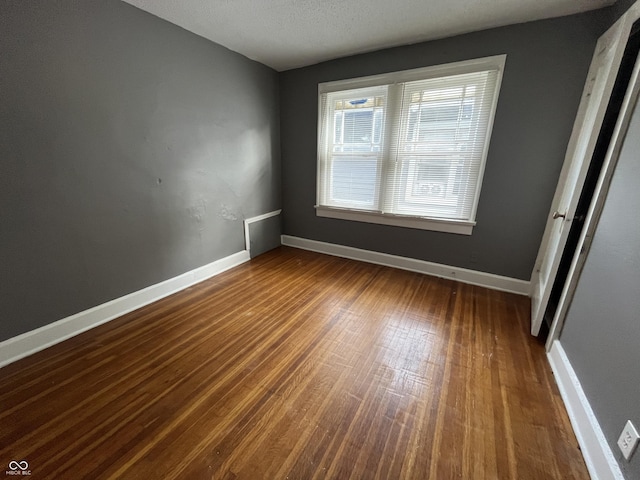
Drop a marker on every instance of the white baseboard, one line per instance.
(31, 342)
(489, 280)
(599, 458)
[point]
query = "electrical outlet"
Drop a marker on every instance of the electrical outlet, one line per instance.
(628, 440)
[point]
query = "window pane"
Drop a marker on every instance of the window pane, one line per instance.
(358, 124)
(440, 154)
(438, 124)
(429, 186)
(353, 180)
(358, 128)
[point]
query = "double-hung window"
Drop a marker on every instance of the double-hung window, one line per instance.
(407, 148)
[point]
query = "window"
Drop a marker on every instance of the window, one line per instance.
(407, 148)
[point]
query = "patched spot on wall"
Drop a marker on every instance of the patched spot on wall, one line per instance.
(198, 212)
(227, 212)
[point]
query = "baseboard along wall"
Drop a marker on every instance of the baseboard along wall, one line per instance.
(489, 280)
(35, 340)
(597, 454)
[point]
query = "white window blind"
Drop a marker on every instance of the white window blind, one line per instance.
(403, 146)
(353, 147)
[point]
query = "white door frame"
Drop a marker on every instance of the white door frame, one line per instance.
(610, 50)
(629, 104)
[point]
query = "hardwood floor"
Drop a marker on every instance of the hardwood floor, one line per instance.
(297, 366)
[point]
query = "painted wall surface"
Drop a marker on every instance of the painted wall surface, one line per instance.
(620, 7)
(130, 152)
(601, 334)
(546, 67)
(265, 235)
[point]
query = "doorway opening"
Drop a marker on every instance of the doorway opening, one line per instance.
(632, 49)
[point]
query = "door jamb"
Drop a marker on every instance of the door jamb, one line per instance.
(601, 189)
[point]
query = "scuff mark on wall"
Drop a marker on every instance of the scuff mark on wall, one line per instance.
(227, 213)
(198, 211)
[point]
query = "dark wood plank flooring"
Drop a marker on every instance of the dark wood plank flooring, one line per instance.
(297, 366)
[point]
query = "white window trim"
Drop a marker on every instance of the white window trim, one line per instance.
(409, 221)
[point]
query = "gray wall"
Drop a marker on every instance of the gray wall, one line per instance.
(620, 7)
(601, 335)
(547, 62)
(264, 235)
(130, 152)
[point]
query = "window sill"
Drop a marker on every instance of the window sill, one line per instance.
(421, 223)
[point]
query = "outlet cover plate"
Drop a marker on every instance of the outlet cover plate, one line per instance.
(628, 440)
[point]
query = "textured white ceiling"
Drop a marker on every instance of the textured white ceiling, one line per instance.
(286, 34)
